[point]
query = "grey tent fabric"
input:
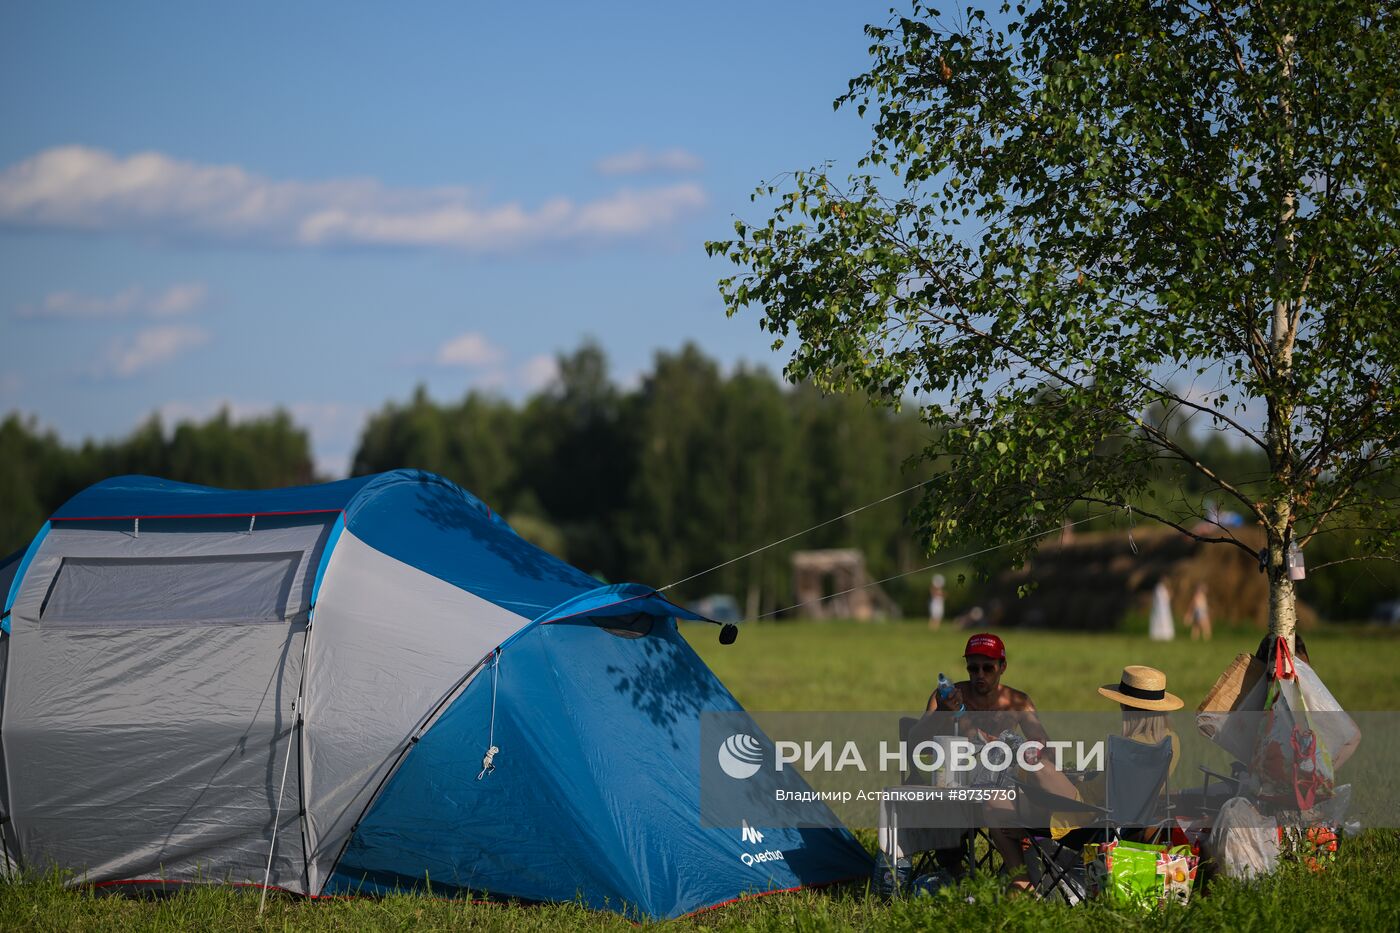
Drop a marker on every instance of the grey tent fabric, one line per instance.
(156, 751)
(123, 592)
(169, 662)
(105, 577)
(387, 630)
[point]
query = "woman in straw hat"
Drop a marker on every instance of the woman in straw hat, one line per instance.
(1141, 693)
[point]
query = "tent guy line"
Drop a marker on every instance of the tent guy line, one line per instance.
(951, 560)
(798, 534)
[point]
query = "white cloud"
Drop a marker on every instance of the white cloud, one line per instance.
(80, 188)
(647, 162)
(149, 347)
(177, 412)
(470, 350)
(335, 429)
(493, 368)
(177, 299)
(538, 372)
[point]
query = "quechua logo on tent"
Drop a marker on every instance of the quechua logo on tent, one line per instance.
(752, 836)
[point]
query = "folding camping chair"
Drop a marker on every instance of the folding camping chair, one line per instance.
(964, 858)
(1135, 797)
(1216, 789)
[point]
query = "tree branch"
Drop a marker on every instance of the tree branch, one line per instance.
(1230, 539)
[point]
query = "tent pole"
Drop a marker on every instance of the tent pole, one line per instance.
(294, 737)
(301, 755)
(276, 819)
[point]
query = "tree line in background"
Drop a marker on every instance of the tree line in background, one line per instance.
(692, 467)
(38, 472)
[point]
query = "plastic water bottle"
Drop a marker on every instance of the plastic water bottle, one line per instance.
(945, 692)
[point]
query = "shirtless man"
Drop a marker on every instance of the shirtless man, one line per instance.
(994, 706)
(991, 709)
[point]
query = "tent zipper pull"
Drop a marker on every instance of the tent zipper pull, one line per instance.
(488, 761)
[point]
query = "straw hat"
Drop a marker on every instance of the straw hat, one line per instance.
(1142, 688)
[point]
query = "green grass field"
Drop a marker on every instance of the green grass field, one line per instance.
(893, 666)
(847, 666)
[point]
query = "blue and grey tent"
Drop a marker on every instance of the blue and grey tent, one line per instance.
(300, 685)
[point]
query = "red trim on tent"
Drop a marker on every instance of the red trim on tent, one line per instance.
(162, 882)
(170, 881)
(750, 897)
(128, 518)
(457, 900)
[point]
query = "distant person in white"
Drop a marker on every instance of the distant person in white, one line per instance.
(1160, 626)
(935, 602)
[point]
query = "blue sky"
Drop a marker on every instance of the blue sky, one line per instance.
(323, 205)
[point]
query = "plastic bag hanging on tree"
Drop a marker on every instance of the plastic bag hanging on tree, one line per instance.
(1293, 560)
(1304, 738)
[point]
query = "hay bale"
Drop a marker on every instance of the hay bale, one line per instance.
(1093, 581)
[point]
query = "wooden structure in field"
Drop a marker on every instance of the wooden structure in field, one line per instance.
(1094, 580)
(834, 584)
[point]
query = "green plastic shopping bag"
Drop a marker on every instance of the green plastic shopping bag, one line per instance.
(1125, 873)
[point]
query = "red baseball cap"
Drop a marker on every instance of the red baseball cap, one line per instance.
(987, 645)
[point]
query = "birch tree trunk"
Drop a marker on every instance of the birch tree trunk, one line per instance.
(1283, 615)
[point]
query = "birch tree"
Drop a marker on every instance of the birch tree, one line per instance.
(1074, 215)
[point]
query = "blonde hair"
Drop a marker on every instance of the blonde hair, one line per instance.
(1146, 726)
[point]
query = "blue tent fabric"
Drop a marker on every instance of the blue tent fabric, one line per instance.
(595, 794)
(147, 496)
(12, 574)
(434, 525)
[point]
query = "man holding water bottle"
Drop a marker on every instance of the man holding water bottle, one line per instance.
(986, 709)
(998, 708)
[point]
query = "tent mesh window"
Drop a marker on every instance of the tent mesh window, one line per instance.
(633, 626)
(109, 592)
